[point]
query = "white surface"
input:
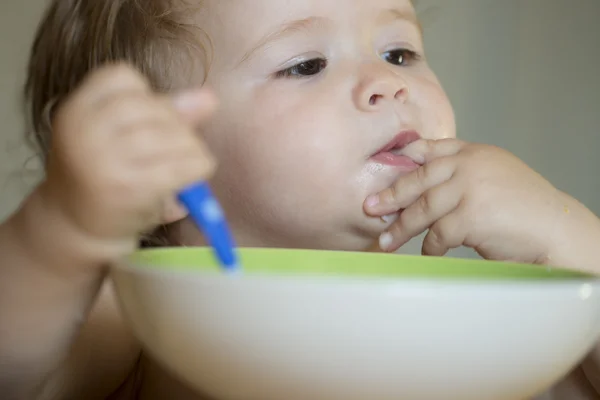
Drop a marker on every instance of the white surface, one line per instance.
(270, 339)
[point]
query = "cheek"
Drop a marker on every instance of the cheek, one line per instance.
(437, 115)
(294, 137)
(281, 156)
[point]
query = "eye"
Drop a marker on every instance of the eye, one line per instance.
(400, 57)
(303, 69)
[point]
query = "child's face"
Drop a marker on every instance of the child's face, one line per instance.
(296, 147)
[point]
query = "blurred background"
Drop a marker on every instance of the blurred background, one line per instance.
(522, 74)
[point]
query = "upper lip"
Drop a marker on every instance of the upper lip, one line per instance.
(400, 141)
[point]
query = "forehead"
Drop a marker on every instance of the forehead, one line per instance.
(244, 21)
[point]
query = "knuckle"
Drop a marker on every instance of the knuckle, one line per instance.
(447, 140)
(483, 152)
(117, 180)
(123, 104)
(438, 236)
(389, 196)
(110, 81)
(423, 173)
(404, 224)
(398, 228)
(197, 152)
(454, 141)
(186, 140)
(445, 169)
(126, 110)
(186, 173)
(142, 142)
(205, 156)
(204, 168)
(426, 202)
(122, 72)
(431, 145)
(434, 172)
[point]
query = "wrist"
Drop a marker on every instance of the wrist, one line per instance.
(575, 238)
(49, 236)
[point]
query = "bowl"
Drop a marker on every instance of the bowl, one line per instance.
(324, 325)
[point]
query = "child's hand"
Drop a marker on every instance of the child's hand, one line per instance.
(120, 152)
(474, 195)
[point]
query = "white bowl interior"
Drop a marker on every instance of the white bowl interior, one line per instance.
(278, 334)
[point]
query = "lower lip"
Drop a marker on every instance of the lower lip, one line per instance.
(394, 160)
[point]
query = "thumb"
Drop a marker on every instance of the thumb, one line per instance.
(195, 105)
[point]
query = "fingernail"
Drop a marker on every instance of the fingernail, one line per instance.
(372, 200)
(389, 218)
(385, 241)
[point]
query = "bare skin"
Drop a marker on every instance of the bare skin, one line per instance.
(55, 255)
(55, 286)
(121, 152)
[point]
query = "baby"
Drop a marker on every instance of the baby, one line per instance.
(330, 132)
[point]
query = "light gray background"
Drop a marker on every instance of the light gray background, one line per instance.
(522, 74)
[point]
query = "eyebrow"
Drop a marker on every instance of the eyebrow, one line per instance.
(306, 24)
(394, 14)
(287, 29)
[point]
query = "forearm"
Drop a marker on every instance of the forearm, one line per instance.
(576, 238)
(580, 240)
(44, 298)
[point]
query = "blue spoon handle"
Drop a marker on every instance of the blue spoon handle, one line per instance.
(208, 216)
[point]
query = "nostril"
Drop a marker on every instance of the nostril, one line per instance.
(374, 98)
(401, 93)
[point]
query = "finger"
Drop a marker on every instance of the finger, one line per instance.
(134, 112)
(408, 188)
(109, 80)
(120, 83)
(432, 206)
(169, 178)
(98, 91)
(424, 151)
(198, 156)
(446, 234)
(195, 106)
(162, 142)
(173, 211)
(131, 112)
(195, 168)
(168, 148)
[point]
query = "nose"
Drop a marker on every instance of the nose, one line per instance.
(379, 86)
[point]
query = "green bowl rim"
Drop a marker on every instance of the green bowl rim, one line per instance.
(348, 264)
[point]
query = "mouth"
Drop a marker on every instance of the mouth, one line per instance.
(390, 154)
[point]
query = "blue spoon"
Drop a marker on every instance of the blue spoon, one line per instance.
(208, 216)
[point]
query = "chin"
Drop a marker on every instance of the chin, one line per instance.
(345, 239)
(364, 236)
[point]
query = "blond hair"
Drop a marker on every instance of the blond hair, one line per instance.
(76, 37)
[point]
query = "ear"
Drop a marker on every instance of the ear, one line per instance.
(172, 211)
